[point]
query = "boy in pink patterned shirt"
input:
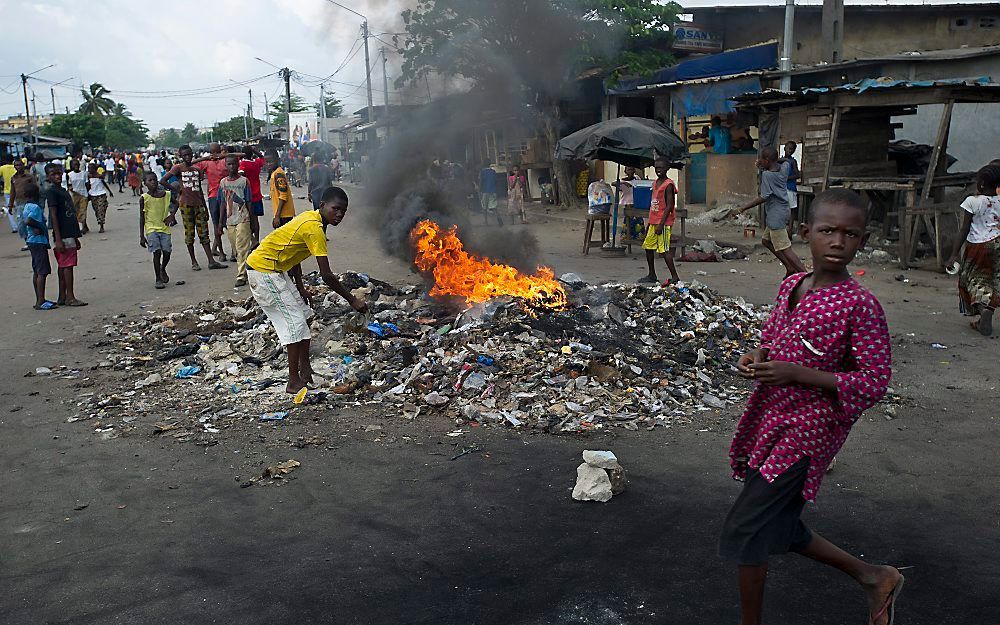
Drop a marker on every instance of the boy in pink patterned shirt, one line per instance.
(823, 359)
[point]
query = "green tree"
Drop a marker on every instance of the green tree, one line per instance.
(79, 128)
(536, 48)
(334, 107)
(169, 138)
(189, 133)
(123, 132)
(96, 101)
(232, 129)
(278, 117)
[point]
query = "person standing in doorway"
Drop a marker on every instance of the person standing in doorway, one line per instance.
(793, 177)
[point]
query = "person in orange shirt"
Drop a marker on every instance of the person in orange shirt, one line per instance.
(281, 194)
(662, 211)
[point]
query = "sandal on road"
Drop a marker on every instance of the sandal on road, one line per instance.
(889, 606)
(218, 266)
(647, 280)
(46, 305)
(195, 267)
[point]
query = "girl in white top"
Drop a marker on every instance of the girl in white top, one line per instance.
(979, 276)
(99, 193)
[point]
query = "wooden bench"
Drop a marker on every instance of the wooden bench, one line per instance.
(643, 213)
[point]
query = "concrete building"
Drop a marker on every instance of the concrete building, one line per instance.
(19, 122)
(872, 29)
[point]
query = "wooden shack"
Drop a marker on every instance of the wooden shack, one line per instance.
(845, 134)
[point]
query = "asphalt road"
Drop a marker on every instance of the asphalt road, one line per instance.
(384, 528)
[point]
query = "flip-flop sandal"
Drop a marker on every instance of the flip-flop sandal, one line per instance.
(47, 305)
(889, 606)
(196, 267)
(179, 282)
(218, 266)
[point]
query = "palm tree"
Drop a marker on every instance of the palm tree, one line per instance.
(119, 110)
(96, 101)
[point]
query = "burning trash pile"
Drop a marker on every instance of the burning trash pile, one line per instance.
(485, 345)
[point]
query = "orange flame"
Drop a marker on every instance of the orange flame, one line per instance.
(456, 272)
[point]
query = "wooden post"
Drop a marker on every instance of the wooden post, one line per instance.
(831, 148)
(938, 156)
(905, 219)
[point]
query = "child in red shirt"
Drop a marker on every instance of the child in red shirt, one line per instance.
(662, 211)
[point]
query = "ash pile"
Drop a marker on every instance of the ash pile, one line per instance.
(619, 355)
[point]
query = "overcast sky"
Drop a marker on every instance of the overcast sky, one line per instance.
(186, 44)
(145, 55)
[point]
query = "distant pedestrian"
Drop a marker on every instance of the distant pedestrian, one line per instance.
(7, 171)
(65, 235)
(156, 214)
(320, 177)
(252, 165)
(487, 188)
(98, 192)
(194, 211)
(214, 167)
(979, 274)
(36, 232)
(793, 176)
(234, 202)
(662, 213)
(517, 191)
(134, 182)
(824, 358)
(281, 194)
(777, 213)
(76, 181)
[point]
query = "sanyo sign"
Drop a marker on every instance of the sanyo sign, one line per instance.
(696, 39)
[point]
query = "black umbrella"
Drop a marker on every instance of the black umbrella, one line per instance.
(628, 141)
(317, 147)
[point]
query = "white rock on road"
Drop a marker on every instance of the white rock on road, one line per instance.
(592, 484)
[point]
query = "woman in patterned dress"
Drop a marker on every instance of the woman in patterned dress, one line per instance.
(979, 275)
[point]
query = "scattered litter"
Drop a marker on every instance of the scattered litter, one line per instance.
(274, 416)
(938, 346)
(188, 371)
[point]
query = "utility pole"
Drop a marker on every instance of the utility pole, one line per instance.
(385, 85)
(267, 116)
(250, 110)
(27, 112)
(322, 112)
(786, 46)
(246, 132)
(288, 101)
(52, 92)
(34, 114)
(368, 78)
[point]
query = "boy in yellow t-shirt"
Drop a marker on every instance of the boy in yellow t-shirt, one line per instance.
(156, 214)
(275, 263)
(7, 171)
(281, 194)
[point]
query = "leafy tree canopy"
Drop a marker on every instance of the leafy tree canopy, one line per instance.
(298, 105)
(334, 107)
(96, 101)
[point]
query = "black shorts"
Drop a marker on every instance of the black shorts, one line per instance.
(214, 210)
(258, 208)
(765, 520)
(40, 264)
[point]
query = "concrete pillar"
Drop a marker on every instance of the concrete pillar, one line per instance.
(833, 31)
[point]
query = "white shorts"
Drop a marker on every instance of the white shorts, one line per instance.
(793, 199)
(281, 302)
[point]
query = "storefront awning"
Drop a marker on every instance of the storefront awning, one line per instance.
(711, 98)
(733, 62)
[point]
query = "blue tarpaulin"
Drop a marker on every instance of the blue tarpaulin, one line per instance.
(754, 58)
(711, 98)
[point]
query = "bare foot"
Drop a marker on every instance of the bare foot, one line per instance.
(306, 374)
(294, 385)
(882, 582)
